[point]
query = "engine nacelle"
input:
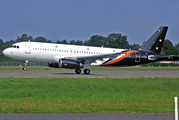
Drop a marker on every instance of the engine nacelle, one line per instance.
(68, 63)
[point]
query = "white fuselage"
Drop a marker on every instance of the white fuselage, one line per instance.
(50, 52)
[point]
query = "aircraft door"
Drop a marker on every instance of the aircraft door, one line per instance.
(137, 57)
(28, 48)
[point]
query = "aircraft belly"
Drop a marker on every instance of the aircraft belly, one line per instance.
(125, 62)
(130, 62)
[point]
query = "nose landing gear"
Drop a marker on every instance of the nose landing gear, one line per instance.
(25, 68)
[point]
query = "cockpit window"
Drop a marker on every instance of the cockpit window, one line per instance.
(14, 46)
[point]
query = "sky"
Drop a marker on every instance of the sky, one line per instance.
(80, 19)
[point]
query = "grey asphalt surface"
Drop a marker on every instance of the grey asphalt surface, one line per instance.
(93, 116)
(90, 116)
(70, 74)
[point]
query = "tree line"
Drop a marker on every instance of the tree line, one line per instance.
(113, 40)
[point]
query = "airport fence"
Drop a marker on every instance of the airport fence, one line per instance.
(22, 64)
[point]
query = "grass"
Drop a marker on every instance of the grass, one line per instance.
(87, 95)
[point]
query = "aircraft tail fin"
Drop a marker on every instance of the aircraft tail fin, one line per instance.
(155, 42)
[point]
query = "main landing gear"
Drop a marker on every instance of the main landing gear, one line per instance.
(86, 71)
(25, 68)
(78, 71)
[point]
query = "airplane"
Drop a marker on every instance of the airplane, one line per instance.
(77, 57)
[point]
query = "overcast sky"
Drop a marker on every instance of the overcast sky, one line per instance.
(80, 19)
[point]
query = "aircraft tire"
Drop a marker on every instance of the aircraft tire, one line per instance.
(24, 68)
(78, 71)
(87, 71)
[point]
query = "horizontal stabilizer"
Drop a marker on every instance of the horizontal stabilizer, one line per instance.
(173, 58)
(153, 57)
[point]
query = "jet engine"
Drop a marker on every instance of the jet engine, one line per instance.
(69, 63)
(66, 63)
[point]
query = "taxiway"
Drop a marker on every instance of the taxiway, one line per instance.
(71, 74)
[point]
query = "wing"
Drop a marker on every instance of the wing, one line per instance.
(92, 58)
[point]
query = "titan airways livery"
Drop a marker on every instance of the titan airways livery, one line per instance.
(76, 57)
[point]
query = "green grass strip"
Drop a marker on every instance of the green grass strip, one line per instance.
(88, 95)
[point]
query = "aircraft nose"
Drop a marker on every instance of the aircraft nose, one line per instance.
(5, 52)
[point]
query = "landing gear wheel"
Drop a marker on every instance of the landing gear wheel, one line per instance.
(78, 71)
(24, 68)
(87, 71)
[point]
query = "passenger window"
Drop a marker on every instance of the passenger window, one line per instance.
(14, 46)
(18, 47)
